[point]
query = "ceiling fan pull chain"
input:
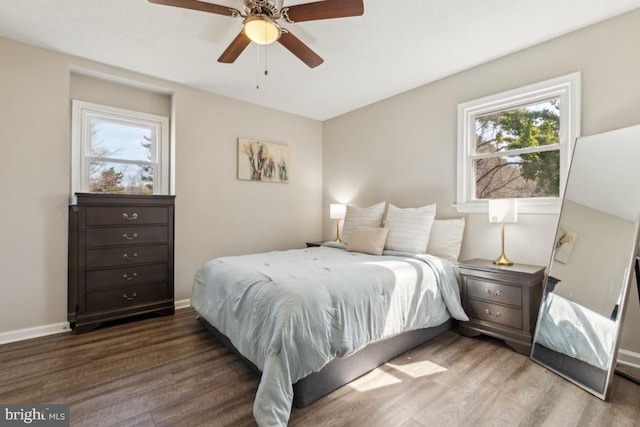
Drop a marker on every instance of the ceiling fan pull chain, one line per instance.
(257, 67)
(266, 71)
(266, 57)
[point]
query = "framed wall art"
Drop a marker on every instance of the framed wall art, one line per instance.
(263, 161)
(564, 245)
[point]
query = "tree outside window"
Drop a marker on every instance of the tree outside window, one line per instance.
(517, 152)
(118, 151)
(517, 144)
(121, 158)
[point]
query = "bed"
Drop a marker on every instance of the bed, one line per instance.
(311, 320)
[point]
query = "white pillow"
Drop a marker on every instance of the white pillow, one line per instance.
(409, 228)
(369, 240)
(446, 238)
(369, 217)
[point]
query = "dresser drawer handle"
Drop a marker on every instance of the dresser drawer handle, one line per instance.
(129, 298)
(496, 293)
(134, 236)
(130, 218)
(498, 314)
(127, 277)
(132, 257)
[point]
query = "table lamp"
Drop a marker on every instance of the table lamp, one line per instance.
(503, 211)
(337, 211)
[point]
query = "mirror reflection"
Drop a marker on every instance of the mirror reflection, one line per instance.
(590, 269)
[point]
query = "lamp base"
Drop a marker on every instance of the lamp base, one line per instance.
(502, 260)
(338, 239)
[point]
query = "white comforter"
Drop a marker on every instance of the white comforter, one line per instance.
(291, 312)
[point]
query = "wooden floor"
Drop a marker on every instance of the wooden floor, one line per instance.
(169, 371)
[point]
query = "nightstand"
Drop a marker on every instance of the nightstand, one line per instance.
(501, 301)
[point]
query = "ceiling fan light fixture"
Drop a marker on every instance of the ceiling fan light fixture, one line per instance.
(261, 29)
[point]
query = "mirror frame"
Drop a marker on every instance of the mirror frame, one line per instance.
(624, 291)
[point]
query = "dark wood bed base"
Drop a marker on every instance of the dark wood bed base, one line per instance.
(341, 371)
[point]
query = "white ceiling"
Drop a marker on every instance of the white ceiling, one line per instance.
(394, 47)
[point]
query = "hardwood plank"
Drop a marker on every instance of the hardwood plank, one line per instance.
(169, 371)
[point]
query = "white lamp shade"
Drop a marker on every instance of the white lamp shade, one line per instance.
(337, 210)
(503, 210)
(261, 29)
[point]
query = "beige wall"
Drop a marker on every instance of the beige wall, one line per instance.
(96, 89)
(215, 213)
(34, 186)
(403, 149)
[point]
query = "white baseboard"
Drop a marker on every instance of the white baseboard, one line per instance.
(629, 358)
(56, 328)
(183, 303)
(34, 332)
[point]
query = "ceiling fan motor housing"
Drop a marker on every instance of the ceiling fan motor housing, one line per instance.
(263, 7)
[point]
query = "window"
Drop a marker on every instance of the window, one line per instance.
(118, 151)
(518, 144)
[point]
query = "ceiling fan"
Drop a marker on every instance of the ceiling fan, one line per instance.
(260, 22)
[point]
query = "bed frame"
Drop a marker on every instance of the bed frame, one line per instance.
(343, 370)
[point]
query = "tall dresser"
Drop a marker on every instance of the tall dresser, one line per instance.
(120, 258)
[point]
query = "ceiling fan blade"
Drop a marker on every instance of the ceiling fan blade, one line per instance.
(300, 49)
(327, 9)
(198, 5)
(234, 50)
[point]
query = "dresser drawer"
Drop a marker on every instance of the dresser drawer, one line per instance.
(495, 313)
(126, 236)
(122, 298)
(126, 276)
(111, 257)
(495, 292)
(121, 215)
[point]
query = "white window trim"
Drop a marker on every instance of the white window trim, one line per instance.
(83, 111)
(568, 89)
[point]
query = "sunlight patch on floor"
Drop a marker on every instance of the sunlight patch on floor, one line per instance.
(373, 380)
(418, 369)
(379, 378)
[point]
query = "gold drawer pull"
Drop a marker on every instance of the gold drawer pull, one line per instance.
(129, 298)
(127, 277)
(129, 218)
(498, 314)
(134, 236)
(134, 256)
(496, 293)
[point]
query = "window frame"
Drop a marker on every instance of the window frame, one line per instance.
(567, 89)
(82, 114)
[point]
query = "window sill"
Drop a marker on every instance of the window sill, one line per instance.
(540, 207)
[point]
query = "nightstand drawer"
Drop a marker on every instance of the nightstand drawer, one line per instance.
(495, 313)
(126, 236)
(130, 215)
(126, 276)
(495, 292)
(124, 297)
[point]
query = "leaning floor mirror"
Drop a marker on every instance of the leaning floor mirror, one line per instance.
(592, 262)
